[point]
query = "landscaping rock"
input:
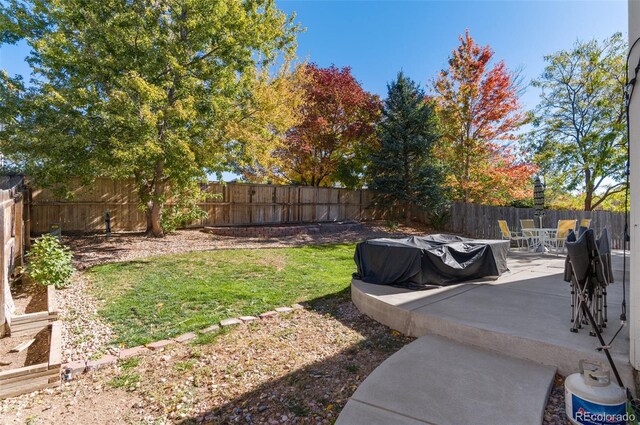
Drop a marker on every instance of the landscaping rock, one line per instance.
(83, 331)
(284, 309)
(247, 319)
(268, 314)
(133, 351)
(297, 307)
(159, 345)
(75, 368)
(212, 328)
(185, 337)
(107, 360)
(230, 322)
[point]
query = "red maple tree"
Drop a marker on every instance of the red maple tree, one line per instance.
(480, 113)
(339, 119)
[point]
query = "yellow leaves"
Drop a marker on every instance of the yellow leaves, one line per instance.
(260, 124)
(141, 87)
(53, 95)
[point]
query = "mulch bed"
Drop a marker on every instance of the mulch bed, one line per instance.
(90, 250)
(300, 368)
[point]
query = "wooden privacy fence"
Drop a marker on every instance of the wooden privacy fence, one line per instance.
(481, 221)
(254, 204)
(12, 237)
(226, 204)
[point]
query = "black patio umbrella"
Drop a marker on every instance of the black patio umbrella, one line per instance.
(538, 198)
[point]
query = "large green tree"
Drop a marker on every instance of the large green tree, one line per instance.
(578, 137)
(136, 89)
(402, 170)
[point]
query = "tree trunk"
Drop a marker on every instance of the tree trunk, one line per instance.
(154, 205)
(588, 189)
(153, 220)
(588, 199)
(154, 215)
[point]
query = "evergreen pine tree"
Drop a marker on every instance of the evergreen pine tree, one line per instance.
(402, 171)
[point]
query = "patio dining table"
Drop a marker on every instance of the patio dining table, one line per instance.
(540, 237)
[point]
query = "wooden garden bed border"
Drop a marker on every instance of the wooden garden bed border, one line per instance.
(25, 323)
(27, 379)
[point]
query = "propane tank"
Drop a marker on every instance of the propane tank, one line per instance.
(591, 398)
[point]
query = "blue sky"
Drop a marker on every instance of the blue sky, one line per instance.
(379, 38)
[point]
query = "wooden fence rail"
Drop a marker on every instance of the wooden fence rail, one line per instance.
(481, 221)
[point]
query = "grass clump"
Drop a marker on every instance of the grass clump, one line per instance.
(127, 381)
(130, 363)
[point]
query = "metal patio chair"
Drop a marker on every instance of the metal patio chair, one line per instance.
(557, 238)
(511, 235)
(532, 237)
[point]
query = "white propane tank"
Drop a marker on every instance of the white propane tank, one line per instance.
(591, 398)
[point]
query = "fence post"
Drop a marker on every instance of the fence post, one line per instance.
(27, 218)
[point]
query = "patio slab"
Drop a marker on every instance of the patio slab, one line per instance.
(438, 381)
(524, 314)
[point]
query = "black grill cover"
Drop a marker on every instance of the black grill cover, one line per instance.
(429, 260)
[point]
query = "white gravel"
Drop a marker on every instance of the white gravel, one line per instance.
(84, 334)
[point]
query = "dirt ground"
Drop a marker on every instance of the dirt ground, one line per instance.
(300, 368)
(37, 352)
(89, 250)
(28, 296)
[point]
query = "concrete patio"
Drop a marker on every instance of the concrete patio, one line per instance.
(515, 327)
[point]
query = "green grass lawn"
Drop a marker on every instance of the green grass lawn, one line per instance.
(159, 297)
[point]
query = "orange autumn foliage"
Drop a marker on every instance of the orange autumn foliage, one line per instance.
(480, 113)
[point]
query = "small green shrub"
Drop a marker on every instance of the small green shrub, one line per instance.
(439, 218)
(392, 225)
(50, 262)
(179, 216)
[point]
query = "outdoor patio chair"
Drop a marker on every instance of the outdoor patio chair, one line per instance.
(512, 236)
(557, 238)
(531, 237)
(588, 269)
(585, 222)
